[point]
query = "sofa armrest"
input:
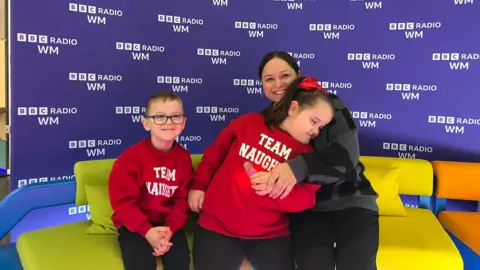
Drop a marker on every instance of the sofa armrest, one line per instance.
(21, 201)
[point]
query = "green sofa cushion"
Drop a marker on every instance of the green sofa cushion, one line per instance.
(67, 247)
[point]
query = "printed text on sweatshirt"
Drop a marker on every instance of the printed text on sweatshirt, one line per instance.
(231, 207)
(149, 187)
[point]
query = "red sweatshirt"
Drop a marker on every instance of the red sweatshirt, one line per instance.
(231, 207)
(147, 186)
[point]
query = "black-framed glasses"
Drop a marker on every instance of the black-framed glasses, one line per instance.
(163, 119)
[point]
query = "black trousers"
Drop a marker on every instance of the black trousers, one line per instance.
(214, 251)
(354, 231)
(137, 252)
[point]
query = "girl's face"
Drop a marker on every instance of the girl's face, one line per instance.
(276, 76)
(303, 124)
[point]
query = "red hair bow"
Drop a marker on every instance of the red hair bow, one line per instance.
(310, 83)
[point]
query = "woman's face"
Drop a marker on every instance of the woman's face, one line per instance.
(276, 76)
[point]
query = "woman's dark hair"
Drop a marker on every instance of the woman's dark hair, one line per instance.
(278, 54)
(277, 112)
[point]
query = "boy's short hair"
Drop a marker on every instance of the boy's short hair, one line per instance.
(164, 96)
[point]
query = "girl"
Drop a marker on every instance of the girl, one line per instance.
(234, 222)
(342, 229)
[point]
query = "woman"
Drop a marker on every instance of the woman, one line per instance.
(342, 229)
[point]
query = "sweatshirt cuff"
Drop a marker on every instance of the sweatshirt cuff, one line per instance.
(144, 228)
(173, 226)
(299, 168)
(198, 186)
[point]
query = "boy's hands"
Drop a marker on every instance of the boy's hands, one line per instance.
(159, 238)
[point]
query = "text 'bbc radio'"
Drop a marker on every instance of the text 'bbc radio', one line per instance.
(140, 52)
(46, 116)
(46, 44)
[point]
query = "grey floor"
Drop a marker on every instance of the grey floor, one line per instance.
(4, 190)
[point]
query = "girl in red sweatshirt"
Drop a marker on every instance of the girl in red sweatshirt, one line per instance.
(234, 222)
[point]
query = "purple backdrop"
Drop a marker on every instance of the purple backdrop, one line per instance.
(82, 72)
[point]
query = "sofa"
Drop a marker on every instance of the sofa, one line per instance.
(413, 239)
(410, 238)
(459, 181)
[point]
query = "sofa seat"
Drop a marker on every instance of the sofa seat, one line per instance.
(68, 247)
(463, 225)
(417, 241)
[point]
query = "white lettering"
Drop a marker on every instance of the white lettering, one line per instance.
(63, 110)
(230, 53)
(383, 56)
(108, 11)
(63, 41)
(150, 48)
(160, 189)
(385, 116)
(164, 173)
(428, 25)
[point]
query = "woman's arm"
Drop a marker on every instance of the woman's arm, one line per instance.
(330, 161)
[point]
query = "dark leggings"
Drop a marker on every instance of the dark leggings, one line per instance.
(137, 252)
(214, 251)
(354, 231)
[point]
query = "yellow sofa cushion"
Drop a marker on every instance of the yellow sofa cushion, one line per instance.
(464, 226)
(100, 209)
(68, 247)
(385, 181)
(416, 241)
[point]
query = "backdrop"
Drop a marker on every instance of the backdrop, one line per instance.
(83, 71)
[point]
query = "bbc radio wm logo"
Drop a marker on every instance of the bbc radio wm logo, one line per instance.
(46, 44)
(179, 24)
(218, 56)
(368, 119)
(302, 56)
(410, 91)
(414, 30)
(94, 82)
(370, 60)
(370, 4)
(254, 87)
(44, 179)
(94, 148)
(220, 3)
(255, 29)
(179, 84)
(453, 125)
(139, 51)
(135, 112)
(404, 150)
(217, 114)
(46, 116)
(332, 87)
(463, 2)
(456, 61)
(185, 140)
(331, 31)
(294, 4)
(95, 15)
(80, 210)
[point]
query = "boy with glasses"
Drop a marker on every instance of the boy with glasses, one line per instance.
(148, 189)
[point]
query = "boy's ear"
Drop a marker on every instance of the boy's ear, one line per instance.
(145, 124)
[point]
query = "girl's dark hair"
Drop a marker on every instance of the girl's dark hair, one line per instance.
(278, 54)
(277, 112)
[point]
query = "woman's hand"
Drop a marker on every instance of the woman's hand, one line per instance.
(279, 182)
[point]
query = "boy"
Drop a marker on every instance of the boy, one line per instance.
(148, 189)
